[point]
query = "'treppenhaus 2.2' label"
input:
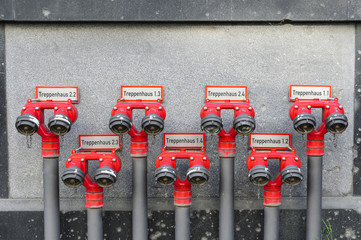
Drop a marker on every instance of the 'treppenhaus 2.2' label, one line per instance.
(57, 94)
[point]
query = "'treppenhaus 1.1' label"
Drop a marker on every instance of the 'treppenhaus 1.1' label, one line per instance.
(310, 92)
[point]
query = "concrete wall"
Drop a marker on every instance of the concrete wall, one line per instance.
(183, 58)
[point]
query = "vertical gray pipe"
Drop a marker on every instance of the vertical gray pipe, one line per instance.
(51, 198)
(95, 224)
(314, 197)
(271, 223)
(226, 196)
(140, 212)
(182, 223)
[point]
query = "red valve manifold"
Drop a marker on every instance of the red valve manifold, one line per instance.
(170, 158)
(50, 142)
(139, 139)
(182, 188)
(315, 139)
(227, 140)
(272, 191)
(94, 193)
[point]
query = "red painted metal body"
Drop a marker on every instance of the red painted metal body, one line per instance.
(170, 158)
(139, 139)
(50, 142)
(272, 191)
(261, 158)
(227, 140)
(315, 139)
(94, 193)
(182, 188)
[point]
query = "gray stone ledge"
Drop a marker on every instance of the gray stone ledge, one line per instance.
(165, 204)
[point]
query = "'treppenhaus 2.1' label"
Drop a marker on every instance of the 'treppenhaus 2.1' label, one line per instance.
(310, 92)
(99, 142)
(148, 93)
(183, 140)
(219, 93)
(270, 140)
(58, 94)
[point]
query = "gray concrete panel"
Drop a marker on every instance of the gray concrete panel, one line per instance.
(101, 58)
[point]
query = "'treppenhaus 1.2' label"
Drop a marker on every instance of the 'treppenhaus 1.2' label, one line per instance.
(270, 140)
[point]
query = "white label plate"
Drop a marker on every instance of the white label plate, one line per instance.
(270, 140)
(310, 92)
(184, 140)
(220, 93)
(99, 142)
(148, 93)
(57, 94)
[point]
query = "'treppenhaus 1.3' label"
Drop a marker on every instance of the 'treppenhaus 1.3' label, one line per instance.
(148, 93)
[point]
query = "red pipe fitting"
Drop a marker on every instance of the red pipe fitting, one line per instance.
(182, 193)
(272, 192)
(197, 173)
(76, 173)
(333, 120)
(31, 120)
(93, 193)
(290, 164)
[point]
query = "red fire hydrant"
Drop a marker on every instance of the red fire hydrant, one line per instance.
(152, 124)
(333, 121)
(76, 174)
(197, 174)
(259, 175)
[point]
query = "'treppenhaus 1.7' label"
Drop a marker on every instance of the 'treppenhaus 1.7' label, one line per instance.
(183, 140)
(270, 140)
(148, 93)
(310, 92)
(99, 142)
(58, 94)
(233, 93)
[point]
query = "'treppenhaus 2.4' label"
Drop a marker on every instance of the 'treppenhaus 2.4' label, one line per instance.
(233, 93)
